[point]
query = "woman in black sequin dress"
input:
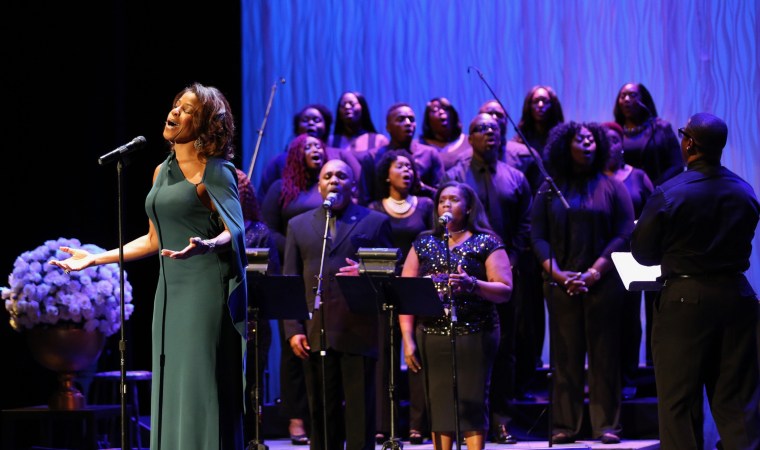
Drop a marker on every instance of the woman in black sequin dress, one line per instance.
(480, 278)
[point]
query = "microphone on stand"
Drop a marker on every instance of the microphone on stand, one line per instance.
(331, 199)
(445, 218)
(136, 143)
(645, 107)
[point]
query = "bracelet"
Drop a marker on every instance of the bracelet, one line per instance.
(209, 246)
(594, 273)
(473, 286)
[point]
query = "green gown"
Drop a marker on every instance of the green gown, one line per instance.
(197, 396)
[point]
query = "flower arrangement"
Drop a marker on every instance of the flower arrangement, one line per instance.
(42, 295)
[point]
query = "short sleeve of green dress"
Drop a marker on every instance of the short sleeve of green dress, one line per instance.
(199, 314)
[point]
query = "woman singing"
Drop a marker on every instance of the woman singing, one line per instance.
(354, 130)
(442, 129)
(410, 215)
(588, 295)
(648, 141)
(199, 323)
(480, 277)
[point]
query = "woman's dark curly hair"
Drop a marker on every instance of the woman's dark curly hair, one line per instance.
(326, 116)
(558, 148)
(477, 221)
(454, 123)
(527, 123)
(646, 99)
(213, 122)
(367, 125)
(384, 167)
(295, 175)
(248, 202)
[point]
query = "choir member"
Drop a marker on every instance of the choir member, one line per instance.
(576, 245)
(480, 278)
(541, 112)
(354, 130)
(507, 199)
(648, 141)
(409, 215)
(442, 129)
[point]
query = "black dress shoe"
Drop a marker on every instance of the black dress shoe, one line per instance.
(301, 439)
(415, 437)
(502, 436)
(609, 438)
(380, 438)
(562, 438)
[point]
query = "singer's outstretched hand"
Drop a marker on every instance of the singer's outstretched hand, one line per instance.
(460, 281)
(80, 259)
(196, 247)
(352, 270)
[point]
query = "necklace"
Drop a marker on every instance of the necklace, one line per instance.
(635, 131)
(398, 206)
(458, 232)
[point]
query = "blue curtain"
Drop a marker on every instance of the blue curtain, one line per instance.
(692, 55)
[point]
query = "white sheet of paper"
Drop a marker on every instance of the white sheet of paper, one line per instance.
(635, 276)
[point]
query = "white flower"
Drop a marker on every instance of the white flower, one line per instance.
(21, 306)
(75, 310)
(88, 313)
(5, 293)
(105, 327)
(91, 324)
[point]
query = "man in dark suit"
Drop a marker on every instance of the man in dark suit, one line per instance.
(699, 227)
(507, 198)
(351, 339)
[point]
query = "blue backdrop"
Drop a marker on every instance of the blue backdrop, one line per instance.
(693, 56)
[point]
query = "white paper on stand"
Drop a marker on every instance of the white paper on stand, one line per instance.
(635, 276)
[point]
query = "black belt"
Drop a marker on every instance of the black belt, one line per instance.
(703, 276)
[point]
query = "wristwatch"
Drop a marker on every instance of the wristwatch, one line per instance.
(595, 273)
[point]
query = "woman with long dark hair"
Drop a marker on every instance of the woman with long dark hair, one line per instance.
(480, 278)
(296, 193)
(442, 129)
(354, 130)
(648, 141)
(541, 112)
(588, 295)
(199, 323)
(410, 215)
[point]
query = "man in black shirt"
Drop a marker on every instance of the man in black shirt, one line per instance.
(699, 226)
(507, 198)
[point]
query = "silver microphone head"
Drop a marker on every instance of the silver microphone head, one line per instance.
(445, 218)
(331, 199)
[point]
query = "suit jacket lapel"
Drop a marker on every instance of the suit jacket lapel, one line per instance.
(318, 222)
(347, 223)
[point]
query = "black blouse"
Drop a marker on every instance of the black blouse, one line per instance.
(406, 230)
(599, 222)
(660, 155)
(474, 313)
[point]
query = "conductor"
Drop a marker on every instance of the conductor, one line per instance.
(699, 226)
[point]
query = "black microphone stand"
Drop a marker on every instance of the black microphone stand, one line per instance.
(260, 131)
(322, 338)
(453, 335)
(550, 302)
(393, 443)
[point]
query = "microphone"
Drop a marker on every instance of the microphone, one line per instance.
(332, 197)
(645, 107)
(136, 143)
(445, 218)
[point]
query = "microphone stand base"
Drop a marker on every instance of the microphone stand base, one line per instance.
(255, 445)
(393, 443)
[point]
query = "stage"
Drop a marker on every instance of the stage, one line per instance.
(284, 444)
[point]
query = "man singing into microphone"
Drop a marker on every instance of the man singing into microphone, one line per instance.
(351, 340)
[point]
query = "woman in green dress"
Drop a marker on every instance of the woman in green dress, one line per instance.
(199, 320)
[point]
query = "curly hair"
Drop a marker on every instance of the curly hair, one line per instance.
(454, 121)
(326, 116)
(384, 167)
(213, 122)
(367, 125)
(558, 148)
(295, 176)
(477, 221)
(527, 123)
(248, 202)
(646, 99)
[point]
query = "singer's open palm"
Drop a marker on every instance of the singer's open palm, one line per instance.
(80, 259)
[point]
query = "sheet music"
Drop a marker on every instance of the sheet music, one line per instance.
(635, 276)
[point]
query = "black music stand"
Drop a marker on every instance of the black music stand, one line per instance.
(377, 293)
(280, 297)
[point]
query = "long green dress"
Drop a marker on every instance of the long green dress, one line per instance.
(197, 397)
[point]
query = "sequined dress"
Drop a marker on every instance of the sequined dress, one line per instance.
(473, 313)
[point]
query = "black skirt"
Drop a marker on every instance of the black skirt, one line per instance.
(475, 356)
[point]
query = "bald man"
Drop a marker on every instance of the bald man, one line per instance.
(699, 227)
(352, 346)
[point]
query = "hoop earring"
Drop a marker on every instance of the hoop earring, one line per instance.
(198, 144)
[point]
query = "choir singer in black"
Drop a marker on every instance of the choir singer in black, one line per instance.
(352, 340)
(699, 227)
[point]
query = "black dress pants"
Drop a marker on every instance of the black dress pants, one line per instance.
(502, 389)
(526, 340)
(704, 334)
(588, 322)
(293, 400)
(347, 377)
(630, 336)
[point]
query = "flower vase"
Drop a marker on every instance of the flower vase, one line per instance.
(65, 351)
